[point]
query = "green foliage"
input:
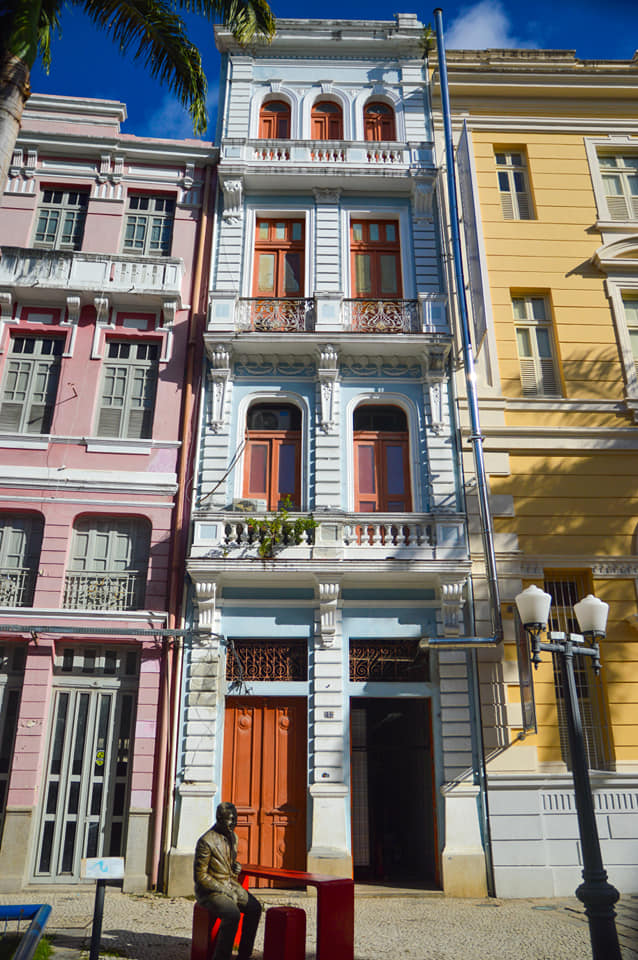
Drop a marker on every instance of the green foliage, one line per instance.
(9, 944)
(151, 31)
(280, 530)
(427, 41)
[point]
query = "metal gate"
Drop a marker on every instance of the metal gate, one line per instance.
(86, 791)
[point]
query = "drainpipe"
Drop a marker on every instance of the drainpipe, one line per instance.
(173, 666)
(476, 438)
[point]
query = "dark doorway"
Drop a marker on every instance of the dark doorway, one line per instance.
(393, 809)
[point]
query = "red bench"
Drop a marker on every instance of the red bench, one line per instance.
(335, 908)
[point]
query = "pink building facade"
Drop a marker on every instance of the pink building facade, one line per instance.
(102, 238)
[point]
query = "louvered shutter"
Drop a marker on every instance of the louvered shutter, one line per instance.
(524, 208)
(617, 207)
(507, 201)
(112, 402)
(10, 414)
(528, 378)
(549, 384)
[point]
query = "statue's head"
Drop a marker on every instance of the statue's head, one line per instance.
(226, 818)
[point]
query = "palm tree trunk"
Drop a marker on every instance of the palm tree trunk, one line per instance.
(14, 93)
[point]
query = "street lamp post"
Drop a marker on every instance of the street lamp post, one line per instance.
(597, 895)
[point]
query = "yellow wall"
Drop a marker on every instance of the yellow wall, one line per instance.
(570, 505)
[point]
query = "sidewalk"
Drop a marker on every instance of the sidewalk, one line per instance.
(389, 925)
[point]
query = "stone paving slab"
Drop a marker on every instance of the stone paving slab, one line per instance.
(405, 925)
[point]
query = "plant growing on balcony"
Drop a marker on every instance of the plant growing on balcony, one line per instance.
(280, 530)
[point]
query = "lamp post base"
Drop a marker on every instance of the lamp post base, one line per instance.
(598, 897)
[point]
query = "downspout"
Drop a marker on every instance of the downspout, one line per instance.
(476, 439)
(173, 666)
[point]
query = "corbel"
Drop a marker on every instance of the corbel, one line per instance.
(329, 593)
(218, 375)
(452, 601)
(327, 373)
(105, 168)
(31, 163)
(206, 597)
(233, 192)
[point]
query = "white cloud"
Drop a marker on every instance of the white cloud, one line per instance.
(171, 120)
(483, 26)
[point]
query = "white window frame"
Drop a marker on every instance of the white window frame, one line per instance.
(511, 199)
(149, 219)
(33, 366)
(535, 368)
(68, 212)
(278, 213)
(594, 148)
(128, 408)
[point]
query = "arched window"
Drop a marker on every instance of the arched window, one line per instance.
(326, 121)
(381, 460)
(378, 120)
(274, 120)
(272, 469)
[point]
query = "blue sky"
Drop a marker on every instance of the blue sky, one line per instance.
(87, 64)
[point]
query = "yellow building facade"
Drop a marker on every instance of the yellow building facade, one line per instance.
(547, 150)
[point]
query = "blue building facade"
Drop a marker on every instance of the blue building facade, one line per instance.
(329, 538)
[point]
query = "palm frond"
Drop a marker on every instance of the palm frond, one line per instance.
(154, 34)
(247, 19)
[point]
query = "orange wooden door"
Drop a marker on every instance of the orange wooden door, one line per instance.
(265, 777)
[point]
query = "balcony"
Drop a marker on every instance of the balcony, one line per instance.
(229, 537)
(103, 591)
(17, 586)
(328, 315)
(105, 274)
(285, 315)
(300, 161)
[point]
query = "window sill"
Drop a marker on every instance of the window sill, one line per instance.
(118, 445)
(24, 441)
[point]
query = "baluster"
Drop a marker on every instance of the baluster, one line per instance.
(378, 534)
(400, 539)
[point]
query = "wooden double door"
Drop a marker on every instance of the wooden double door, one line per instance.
(264, 775)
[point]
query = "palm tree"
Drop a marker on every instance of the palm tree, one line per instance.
(151, 29)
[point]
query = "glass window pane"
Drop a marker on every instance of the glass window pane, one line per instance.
(395, 480)
(266, 273)
(520, 310)
(263, 230)
(543, 342)
(297, 231)
(287, 463)
(633, 338)
(538, 308)
(524, 342)
(374, 232)
(58, 737)
(357, 232)
(292, 274)
(388, 263)
(363, 274)
(365, 459)
(80, 734)
(258, 474)
(503, 181)
(390, 232)
(280, 231)
(613, 186)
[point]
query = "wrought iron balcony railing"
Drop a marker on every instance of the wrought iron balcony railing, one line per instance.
(17, 586)
(382, 316)
(276, 314)
(103, 591)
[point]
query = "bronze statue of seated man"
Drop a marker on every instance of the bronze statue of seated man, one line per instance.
(217, 888)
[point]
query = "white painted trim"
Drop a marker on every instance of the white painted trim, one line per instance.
(411, 413)
(65, 478)
(268, 395)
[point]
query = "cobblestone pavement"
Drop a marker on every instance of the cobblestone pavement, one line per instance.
(389, 925)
